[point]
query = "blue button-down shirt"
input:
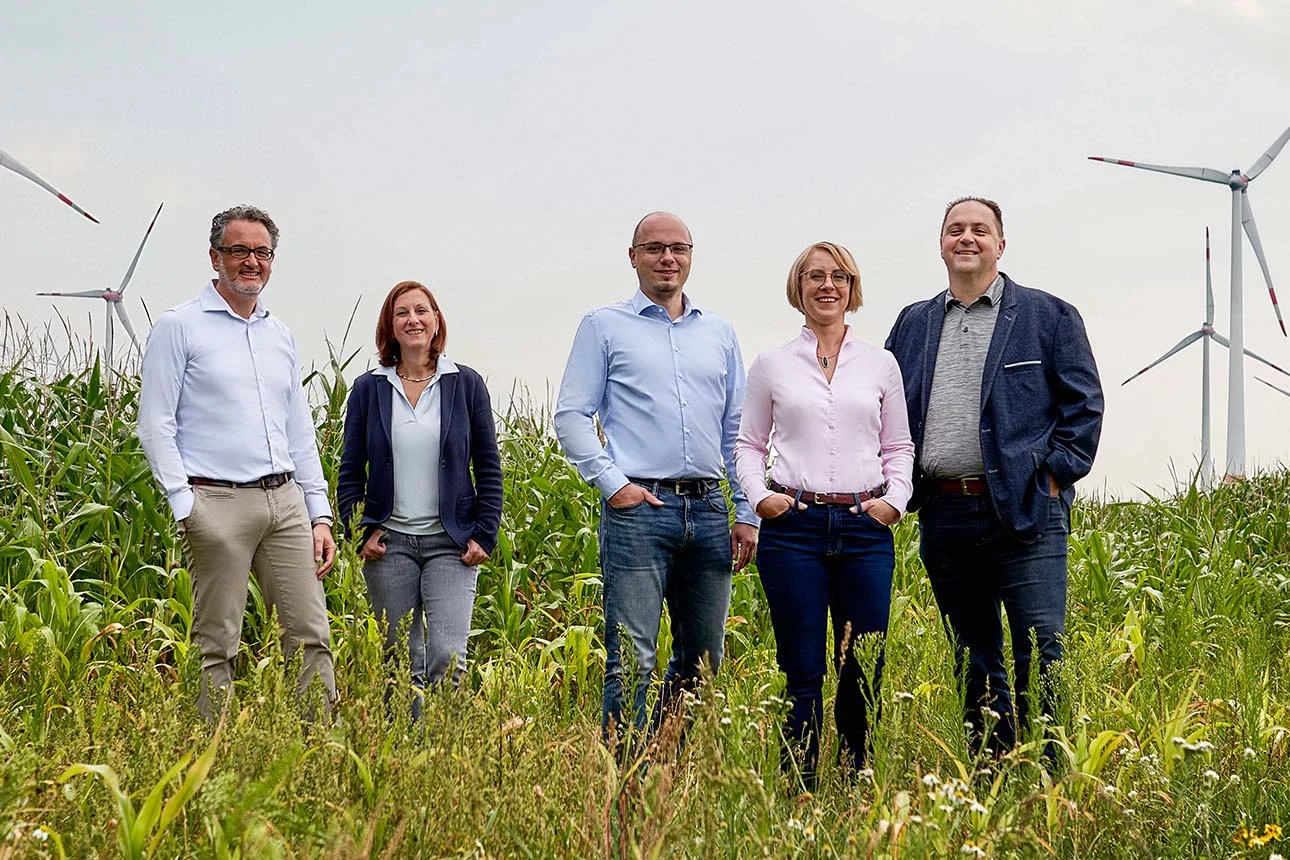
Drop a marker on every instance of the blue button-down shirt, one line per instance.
(668, 394)
(222, 398)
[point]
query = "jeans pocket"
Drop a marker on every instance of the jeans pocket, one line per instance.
(625, 510)
(717, 501)
(874, 521)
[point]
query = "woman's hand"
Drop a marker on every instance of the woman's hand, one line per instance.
(776, 505)
(372, 548)
(881, 511)
(474, 554)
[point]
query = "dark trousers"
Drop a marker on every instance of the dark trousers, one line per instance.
(976, 569)
(813, 563)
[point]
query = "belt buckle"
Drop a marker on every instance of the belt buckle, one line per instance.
(817, 499)
(963, 485)
(678, 487)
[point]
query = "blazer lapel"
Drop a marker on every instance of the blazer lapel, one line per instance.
(999, 340)
(447, 397)
(931, 346)
(385, 395)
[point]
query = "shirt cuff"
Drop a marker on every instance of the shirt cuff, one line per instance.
(611, 481)
(181, 503)
(317, 505)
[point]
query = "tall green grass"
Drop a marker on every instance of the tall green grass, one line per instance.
(1174, 723)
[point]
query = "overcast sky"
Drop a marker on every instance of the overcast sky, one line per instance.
(501, 153)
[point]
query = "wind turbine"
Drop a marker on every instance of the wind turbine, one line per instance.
(1242, 216)
(114, 300)
(7, 160)
(1205, 334)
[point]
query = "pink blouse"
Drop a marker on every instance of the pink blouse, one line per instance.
(841, 437)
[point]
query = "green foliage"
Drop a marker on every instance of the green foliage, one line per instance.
(1175, 731)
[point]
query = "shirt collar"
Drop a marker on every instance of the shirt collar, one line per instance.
(211, 300)
(642, 302)
(808, 335)
(989, 297)
(444, 366)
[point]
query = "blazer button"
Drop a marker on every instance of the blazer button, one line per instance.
(443, 464)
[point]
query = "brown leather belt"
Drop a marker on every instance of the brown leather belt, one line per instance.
(268, 482)
(829, 498)
(959, 486)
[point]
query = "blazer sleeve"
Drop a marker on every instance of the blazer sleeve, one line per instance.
(1078, 392)
(487, 465)
(351, 478)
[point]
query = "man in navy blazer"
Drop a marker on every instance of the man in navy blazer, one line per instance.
(1005, 409)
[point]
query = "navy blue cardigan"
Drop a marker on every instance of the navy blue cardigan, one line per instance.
(1041, 400)
(468, 437)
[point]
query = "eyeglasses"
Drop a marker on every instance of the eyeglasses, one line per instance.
(656, 249)
(241, 252)
(818, 277)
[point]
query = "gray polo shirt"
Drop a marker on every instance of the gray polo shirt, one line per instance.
(952, 432)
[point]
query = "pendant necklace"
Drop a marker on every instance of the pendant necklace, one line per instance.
(824, 359)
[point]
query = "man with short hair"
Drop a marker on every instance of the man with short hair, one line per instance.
(666, 379)
(1005, 409)
(228, 432)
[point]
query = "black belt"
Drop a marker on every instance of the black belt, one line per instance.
(829, 498)
(268, 482)
(678, 486)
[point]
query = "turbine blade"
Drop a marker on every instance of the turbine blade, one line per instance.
(7, 160)
(1257, 357)
(130, 272)
(1252, 230)
(125, 321)
(1209, 285)
(1270, 385)
(83, 294)
(1205, 173)
(1182, 344)
(1266, 158)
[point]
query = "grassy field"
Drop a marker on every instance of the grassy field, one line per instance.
(1176, 689)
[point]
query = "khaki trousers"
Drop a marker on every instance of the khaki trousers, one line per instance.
(229, 532)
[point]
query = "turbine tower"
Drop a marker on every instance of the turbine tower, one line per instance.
(1205, 334)
(7, 160)
(1242, 216)
(114, 301)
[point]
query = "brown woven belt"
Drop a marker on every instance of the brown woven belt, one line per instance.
(829, 498)
(960, 486)
(268, 482)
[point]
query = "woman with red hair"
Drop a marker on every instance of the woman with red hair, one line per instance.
(414, 428)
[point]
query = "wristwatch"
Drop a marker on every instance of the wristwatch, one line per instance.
(321, 521)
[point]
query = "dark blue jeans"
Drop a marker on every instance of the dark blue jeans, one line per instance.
(976, 568)
(678, 554)
(813, 563)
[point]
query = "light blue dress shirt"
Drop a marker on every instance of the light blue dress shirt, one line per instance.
(222, 398)
(415, 444)
(668, 394)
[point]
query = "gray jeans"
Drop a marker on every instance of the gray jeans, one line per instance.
(424, 575)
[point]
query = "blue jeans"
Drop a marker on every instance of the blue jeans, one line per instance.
(425, 576)
(813, 563)
(976, 567)
(678, 554)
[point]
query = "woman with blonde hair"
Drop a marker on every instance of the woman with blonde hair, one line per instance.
(833, 408)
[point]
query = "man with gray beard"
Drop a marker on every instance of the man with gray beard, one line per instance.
(227, 430)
